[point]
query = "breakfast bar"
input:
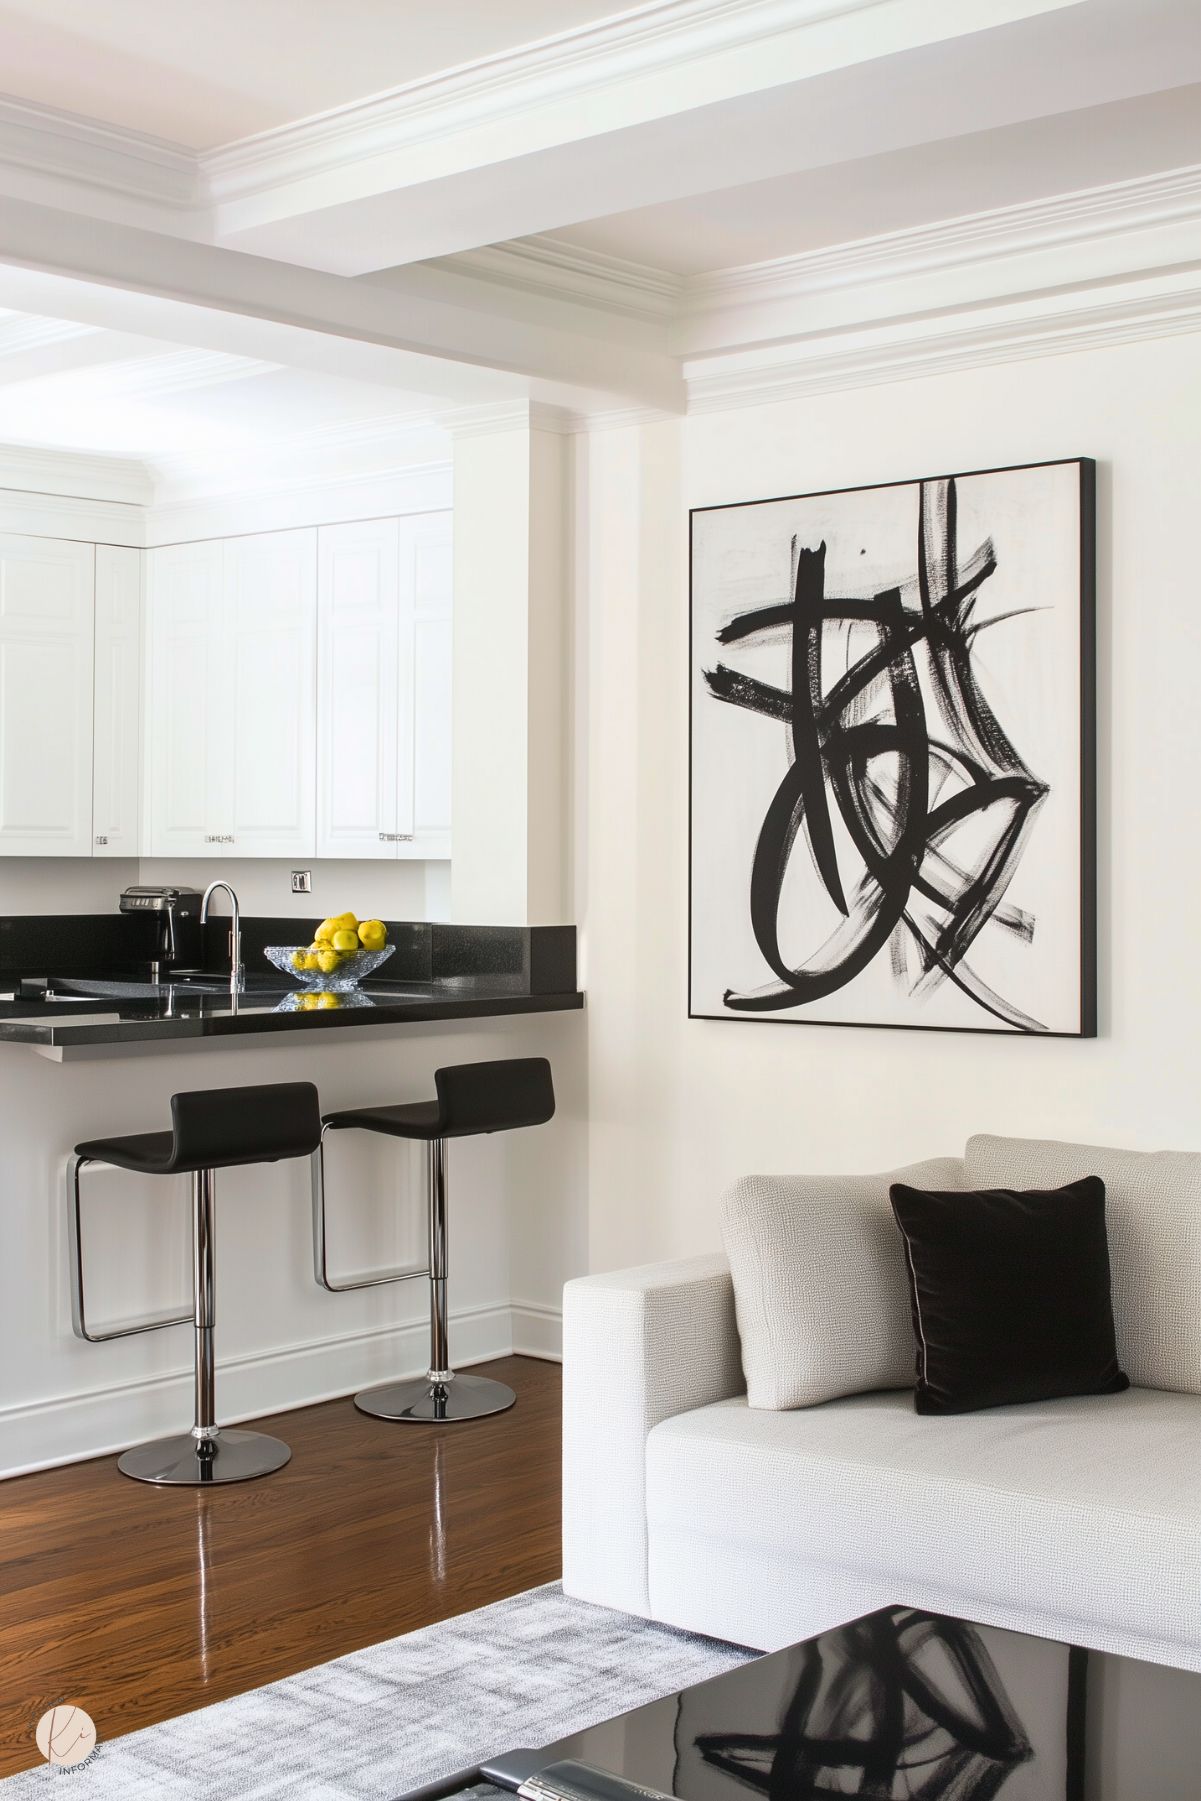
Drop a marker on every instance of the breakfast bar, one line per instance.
(104, 996)
(124, 1014)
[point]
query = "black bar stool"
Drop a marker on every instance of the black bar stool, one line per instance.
(472, 1098)
(215, 1128)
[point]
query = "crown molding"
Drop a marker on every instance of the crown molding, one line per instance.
(347, 451)
(289, 503)
(1046, 326)
(629, 46)
(618, 418)
(74, 475)
(555, 270)
(1064, 220)
(1067, 231)
(504, 416)
(71, 147)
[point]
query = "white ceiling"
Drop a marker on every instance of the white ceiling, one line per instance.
(203, 72)
(118, 395)
(337, 267)
(912, 186)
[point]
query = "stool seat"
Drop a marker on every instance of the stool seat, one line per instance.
(149, 1152)
(501, 1095)
(219, 1128)
(410, 1119)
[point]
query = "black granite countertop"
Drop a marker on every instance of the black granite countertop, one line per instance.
(176, 1013)
(445, 973)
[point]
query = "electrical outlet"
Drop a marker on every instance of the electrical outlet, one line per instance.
(302, 881)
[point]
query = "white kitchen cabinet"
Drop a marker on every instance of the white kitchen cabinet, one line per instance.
(46, 675)
(183, 627)
(230, 730)
(358, 688)
(266, 761)
(383, 710)
(116, 736)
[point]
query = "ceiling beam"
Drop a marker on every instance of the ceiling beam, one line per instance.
(425, 332)
(646, 106)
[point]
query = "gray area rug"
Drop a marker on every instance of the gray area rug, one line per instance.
(371, 1725)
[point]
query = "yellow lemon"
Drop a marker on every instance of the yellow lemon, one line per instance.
(328, 961)
(373, 934)
(308, 1002)
(347, 921)
(329, 1000)
(325, 930)
(346, 940)
(300, 959)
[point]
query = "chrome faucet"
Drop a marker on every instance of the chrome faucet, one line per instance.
(236, 972)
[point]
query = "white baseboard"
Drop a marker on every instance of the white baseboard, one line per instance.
(69, 1428)
(537, 1330)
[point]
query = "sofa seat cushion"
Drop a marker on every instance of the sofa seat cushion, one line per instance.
(1153, 1218)
(1088, 1508)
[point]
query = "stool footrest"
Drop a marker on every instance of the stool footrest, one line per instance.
(79, 1321)
(410, 1273)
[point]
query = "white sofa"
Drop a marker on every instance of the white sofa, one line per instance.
(1076, 1519)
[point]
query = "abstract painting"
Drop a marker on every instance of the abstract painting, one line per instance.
(892, 767)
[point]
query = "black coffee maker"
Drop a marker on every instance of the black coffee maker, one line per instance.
(177, 914)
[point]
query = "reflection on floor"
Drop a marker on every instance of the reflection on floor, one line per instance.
(139, 1603)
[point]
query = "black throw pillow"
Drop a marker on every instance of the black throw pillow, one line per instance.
(1010, 1295)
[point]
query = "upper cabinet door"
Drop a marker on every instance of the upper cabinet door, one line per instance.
(46, 650)
(184, 616)
(358, 673)
(264, 709)
(116, 789)
(425, 674)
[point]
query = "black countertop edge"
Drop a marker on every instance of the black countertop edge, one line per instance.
(62, 1034)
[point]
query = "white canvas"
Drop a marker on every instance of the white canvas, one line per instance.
(915, 842)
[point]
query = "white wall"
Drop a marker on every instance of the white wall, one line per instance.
(401, 890)
(678, 1108)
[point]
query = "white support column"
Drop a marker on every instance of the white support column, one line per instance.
(511, 670)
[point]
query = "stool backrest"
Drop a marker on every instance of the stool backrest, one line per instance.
(217, 1127)
(496, 1096)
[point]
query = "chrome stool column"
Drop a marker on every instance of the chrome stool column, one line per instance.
(216, 1128)
(472, 1098)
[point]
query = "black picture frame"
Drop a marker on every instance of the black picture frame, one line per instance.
(1087, 602)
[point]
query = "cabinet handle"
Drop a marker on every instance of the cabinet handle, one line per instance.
(100, 838)
(218, 838)
(396, 837)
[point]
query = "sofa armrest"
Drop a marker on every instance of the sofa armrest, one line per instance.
(638, 1346)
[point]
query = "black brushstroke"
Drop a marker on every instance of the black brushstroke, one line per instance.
(875, 709)
(902, 1703)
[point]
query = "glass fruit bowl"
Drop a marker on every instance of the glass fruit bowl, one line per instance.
(351, 970)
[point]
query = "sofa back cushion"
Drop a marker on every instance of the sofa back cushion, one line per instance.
(1153, 1216)
(820, 1286)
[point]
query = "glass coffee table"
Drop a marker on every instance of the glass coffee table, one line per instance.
(899, 1706)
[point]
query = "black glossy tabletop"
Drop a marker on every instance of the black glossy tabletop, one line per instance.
(919, 1706)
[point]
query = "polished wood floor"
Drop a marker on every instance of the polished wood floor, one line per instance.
(139, 1603)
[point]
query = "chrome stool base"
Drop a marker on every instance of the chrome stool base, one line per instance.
(184, 1461)
(425, 1403)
